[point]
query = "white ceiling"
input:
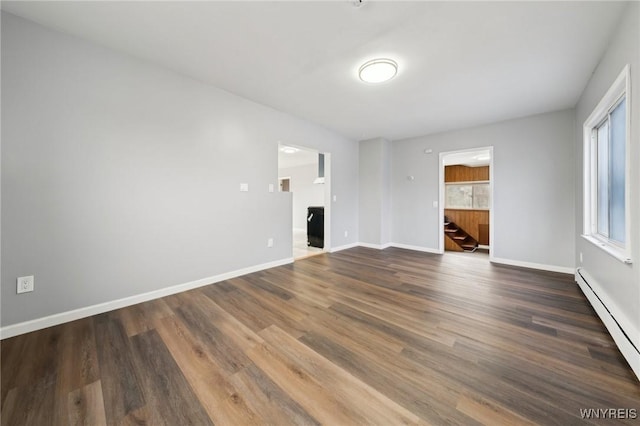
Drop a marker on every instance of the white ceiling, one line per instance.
(468, 158)
(461, 63)
(302, 157)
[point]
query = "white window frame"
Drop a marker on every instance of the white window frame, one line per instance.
(621, 87)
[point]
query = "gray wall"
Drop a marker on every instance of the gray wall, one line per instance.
(534, 185)
(616, 283)
(386, 217)
(303, 191)
(120, 177)
(375, 192)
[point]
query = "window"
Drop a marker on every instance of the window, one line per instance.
(468, 195)
(606, 171)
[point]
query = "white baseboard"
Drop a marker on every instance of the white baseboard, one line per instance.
(398, 245)
(416, 248)
(541, 266)
(374, 246)
(60, 318)
(616, 322)
(344, 247)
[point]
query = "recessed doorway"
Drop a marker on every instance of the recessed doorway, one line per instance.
(304, 173)
(285, 184)
(466, 201)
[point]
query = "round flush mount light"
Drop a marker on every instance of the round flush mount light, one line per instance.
(289, 150)
(378, 70)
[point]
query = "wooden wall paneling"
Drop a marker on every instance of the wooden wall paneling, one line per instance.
(465, 174)
(450, 245)
(483, 234)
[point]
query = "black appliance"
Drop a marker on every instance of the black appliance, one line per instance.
(315, 227)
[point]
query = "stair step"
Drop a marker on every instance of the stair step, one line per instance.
(465, 241)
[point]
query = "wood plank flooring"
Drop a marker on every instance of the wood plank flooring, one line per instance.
(363, 336)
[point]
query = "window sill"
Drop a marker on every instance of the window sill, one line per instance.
(619, 254)
(466, 209)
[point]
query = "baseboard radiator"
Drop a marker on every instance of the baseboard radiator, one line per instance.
(620, 330)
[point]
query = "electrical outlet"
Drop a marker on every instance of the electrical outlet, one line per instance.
(346, 233)
(244, 187)
(25, 284)
(580, 257)
(270, 242)
(271, 187)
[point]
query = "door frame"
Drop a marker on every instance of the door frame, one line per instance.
(327, 201)
(280, 179)
(441, 193)
(327, 193)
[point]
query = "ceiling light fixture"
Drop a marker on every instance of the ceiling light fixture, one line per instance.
(378, 70)
(289, 150)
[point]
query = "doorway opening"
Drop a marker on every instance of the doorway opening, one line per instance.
(466, 201)
(285, 184)
(305, 173)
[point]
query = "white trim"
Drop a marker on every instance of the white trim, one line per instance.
(328, 200)
(441, 193)
(375, 246)
(492, 215)
(621, 86)
(62, 317)
(300, 230)
(385, 246)
(467, 182)
(484, 247)
(612, 250)
(441, 190)
(327, 192)
(531, 265)
(344, 247)
(626, 348)
(396, 245)
(467, 208)
(415, 248)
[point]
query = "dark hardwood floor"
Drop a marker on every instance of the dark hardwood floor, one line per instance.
(357, 337)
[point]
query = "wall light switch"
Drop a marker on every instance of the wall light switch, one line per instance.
(244, 187)
(271, 187)
(270, 242)
(335, 198)
(435, 204)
